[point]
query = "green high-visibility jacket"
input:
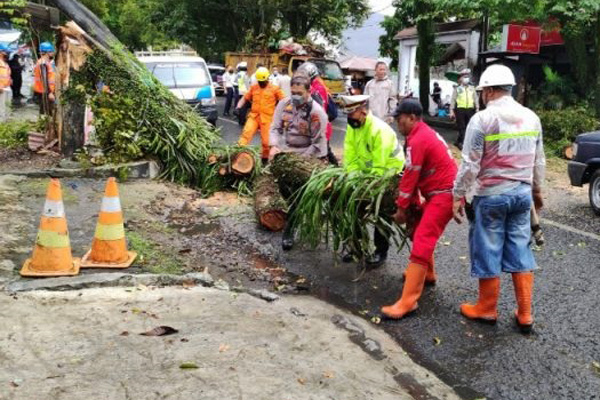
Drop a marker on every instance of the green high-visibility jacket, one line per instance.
(374, 147)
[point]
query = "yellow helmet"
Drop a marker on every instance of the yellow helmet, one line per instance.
(262, 74)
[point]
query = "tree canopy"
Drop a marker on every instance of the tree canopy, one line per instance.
(215, 26)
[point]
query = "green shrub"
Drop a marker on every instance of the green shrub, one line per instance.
(14, 133)
(562, 126)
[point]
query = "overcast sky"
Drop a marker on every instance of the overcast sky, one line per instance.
(364, 41)
(382, 6)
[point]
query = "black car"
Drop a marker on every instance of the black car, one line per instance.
(585, 166)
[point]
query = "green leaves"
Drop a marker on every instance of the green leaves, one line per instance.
(344, 207)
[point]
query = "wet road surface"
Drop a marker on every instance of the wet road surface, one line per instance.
(558, 361)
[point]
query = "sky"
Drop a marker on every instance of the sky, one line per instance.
(364, 41)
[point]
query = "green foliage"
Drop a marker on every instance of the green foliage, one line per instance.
(340, 206)
(556, 92)
(11, 10)
(14, 134)
(152, 258)
(562, 126)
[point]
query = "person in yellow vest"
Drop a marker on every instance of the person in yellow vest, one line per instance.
(5, 81)
(264, 97)
(464, 105)
(43, 79)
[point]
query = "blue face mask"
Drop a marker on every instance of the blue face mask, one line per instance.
(298, 100)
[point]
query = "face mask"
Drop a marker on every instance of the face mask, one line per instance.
(298, 100)
(466, 81)
(275, 73)
(354, 123)
(263, 84)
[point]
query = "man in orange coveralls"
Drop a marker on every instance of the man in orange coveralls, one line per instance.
(264, 97)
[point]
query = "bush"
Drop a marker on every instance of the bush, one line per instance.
(562, 126)
(14, 133)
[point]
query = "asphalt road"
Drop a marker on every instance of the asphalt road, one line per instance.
(558, 361)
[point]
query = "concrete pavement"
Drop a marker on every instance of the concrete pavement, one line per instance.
(87, 344)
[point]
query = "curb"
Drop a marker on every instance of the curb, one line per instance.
(135, 170)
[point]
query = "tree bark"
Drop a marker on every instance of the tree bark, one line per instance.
(292, 171)
(269, 205)
(87, 21)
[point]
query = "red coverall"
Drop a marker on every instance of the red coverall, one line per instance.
(317, 86)
(430, 170)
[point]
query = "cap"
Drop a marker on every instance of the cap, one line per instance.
(407, 107)
(352, 103)
(466, 71)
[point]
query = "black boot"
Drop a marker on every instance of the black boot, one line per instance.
(376, 260)
(287, 241)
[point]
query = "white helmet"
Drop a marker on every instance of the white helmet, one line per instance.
(496, 75)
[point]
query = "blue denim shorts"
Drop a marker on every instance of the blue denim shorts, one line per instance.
(499, 236)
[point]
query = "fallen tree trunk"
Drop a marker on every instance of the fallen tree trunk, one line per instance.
(292, 171)
(243, 163)
(269, 205)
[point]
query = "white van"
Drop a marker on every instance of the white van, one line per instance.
(188, 78)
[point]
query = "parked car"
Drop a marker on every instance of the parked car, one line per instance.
(216, 73)
(188, 78)
(585, 166)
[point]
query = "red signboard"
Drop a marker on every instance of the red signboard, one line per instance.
(550, 32)
(521, 39)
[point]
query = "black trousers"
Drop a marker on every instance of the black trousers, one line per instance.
(17, 83)
(229, 99)
(463, 116)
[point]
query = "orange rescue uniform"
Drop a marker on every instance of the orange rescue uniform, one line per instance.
(264, 101)
(38, 84)
(5, 80)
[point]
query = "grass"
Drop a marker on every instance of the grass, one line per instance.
(14, 134)
(151, 258)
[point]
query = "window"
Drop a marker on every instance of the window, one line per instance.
(191, 75)
(329, 69)
(181, 75)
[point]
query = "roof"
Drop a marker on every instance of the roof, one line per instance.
(359, 64)
(170, 59)
(462, 25)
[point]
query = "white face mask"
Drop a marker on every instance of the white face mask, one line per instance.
(466, 80)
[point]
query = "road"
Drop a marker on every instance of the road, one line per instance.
(558, 361)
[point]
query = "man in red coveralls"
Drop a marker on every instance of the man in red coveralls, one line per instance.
(429, 172)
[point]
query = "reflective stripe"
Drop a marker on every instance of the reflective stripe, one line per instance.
(53, 239)
(53, 209)
(110, 232)
(397, 151)
(404, 195)
(502, 136)
(110, 204)
(414, 167)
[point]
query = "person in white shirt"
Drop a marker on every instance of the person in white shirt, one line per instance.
(383, 93)
(275, 76)
(228, 83)
(285, 82)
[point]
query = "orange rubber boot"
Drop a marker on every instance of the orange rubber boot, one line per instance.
(431, 277)
(413, 287)
(523, 282)
(485, 309)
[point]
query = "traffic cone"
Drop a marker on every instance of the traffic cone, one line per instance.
(109, 248)
(52, 251)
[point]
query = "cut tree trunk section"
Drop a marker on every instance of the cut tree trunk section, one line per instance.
(242, 163)
(269, 205)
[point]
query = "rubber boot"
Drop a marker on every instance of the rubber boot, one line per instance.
(486, 308)
(523, 282)
(431, 277)
(413, 287)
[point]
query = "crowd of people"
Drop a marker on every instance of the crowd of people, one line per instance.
(12, 67)
(499, 178)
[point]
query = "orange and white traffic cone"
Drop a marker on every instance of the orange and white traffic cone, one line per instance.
(109, 247)
(52, 251)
